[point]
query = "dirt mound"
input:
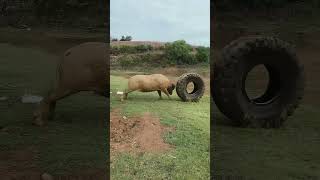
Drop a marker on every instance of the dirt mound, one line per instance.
(137, 134)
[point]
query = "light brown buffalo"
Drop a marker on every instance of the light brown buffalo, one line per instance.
(82, 68)
(148, 83)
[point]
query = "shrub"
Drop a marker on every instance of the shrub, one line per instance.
(130, 49)
(143, 48)
(179, 52)
(126, 49)
(191, 59)
(126, 38)
(141, 60)
(202, 54)
(127, 61)
(114, 50)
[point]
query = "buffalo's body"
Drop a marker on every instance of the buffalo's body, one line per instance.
(149, 83)
(82, 68)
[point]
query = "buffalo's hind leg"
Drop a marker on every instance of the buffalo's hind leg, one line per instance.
(52, 108)
(159, 92)
(126, 92)
(46, 108)
(125, 95)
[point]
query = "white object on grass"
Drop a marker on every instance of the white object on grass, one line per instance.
(172, 156)
(119, 92)
(28, 98)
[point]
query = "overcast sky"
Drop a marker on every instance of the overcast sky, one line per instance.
(161, 20)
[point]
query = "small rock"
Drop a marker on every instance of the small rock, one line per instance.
(124, 117)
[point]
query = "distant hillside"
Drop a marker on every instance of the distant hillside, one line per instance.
(154, 44)
(128, 54)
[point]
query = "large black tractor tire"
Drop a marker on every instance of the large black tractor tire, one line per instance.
(284, 91)
(198, 90)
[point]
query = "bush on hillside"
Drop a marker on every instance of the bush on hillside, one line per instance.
(141, 60)
(143, 48)
(126, 38)
(202, 54)
(116, 50)
(128, 61)
(179, 52)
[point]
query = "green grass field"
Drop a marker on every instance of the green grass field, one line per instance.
(189, 159)
(289, 153)
(74, 140)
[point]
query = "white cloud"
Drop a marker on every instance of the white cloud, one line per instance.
(165, 20)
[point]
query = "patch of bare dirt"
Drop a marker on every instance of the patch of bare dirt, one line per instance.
(137, 134)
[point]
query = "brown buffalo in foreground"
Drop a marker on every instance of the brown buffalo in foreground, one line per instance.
(82, 68)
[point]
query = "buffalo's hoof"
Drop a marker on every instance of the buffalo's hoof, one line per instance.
(38, 122)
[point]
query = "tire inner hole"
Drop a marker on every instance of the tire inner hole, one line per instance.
(191, 88)
(256, 84)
